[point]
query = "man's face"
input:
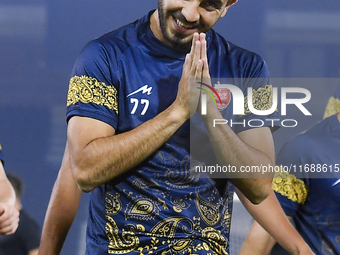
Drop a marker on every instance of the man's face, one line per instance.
(180, 19)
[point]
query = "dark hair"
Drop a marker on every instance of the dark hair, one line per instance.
(17, 184)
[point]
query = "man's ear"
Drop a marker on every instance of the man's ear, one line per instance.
(229, 4)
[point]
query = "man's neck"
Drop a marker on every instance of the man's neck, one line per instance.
(155, 27)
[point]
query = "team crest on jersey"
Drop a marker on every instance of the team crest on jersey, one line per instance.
(225, 98)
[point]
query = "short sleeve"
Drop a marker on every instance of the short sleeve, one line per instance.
(258, 82)
(333, 105)
(91, 90)
(290, 189)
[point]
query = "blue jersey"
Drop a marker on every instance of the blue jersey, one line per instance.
(313, 203)
(162, 206)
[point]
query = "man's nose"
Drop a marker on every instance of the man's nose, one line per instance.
(190, 10)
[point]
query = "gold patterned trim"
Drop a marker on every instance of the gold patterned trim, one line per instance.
(289, 186)
(121, 242)
(333, 107)
(262, 99)
(217, 242)
(0, 147)
(89, 90)
(113, 205)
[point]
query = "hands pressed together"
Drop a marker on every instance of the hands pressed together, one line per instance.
(9, 219)
(195, 69)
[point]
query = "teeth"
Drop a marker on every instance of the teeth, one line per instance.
(182, 24)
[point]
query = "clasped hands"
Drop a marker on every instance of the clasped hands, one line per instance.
(195, 72)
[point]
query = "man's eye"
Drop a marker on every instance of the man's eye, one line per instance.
(210, 5)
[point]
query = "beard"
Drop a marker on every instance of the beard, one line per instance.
(176, 41)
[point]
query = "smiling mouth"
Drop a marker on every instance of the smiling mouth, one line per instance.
(181, 24)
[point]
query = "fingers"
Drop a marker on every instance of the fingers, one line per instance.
(195, 67)
(189, 58)
(186, 66)
(199, 69)
(193, 63)
(204, 56)
(195, 54)
(195, 38)
(9, 220)
(204, 46)
(196, 57)
(198, 53)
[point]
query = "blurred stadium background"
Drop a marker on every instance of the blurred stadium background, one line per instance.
(40, 39)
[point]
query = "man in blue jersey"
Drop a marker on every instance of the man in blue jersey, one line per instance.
(311, 195)
(9, 215)
(129, 104)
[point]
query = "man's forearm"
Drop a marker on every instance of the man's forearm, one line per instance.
(249, 148)
(61, 211)
(108, 157)
(231, 149)
(274, 222)
(258, 241)
(58, 221)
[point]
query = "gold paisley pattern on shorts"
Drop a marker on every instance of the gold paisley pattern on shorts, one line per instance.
(262, 99)
(89, 90)
(289, 186)
(217, 242)
(124, 243)
(180, 246)
(333, 107)
(181, 203)
(167, 229)
(113, 205)
(127, 239)
(209, 211)
(142, 208)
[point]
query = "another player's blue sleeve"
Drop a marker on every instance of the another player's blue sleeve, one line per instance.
(291, 191)
(92, 92)
(333, 105)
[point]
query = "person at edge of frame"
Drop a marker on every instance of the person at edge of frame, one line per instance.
(26, 239)
(310, 199)
(9, 215)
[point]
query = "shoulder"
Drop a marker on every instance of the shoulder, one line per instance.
(102, 54)
(302, 147)
(120, 39)
(236, 51)
(246, 62)
(314, 135)
(294, 150)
